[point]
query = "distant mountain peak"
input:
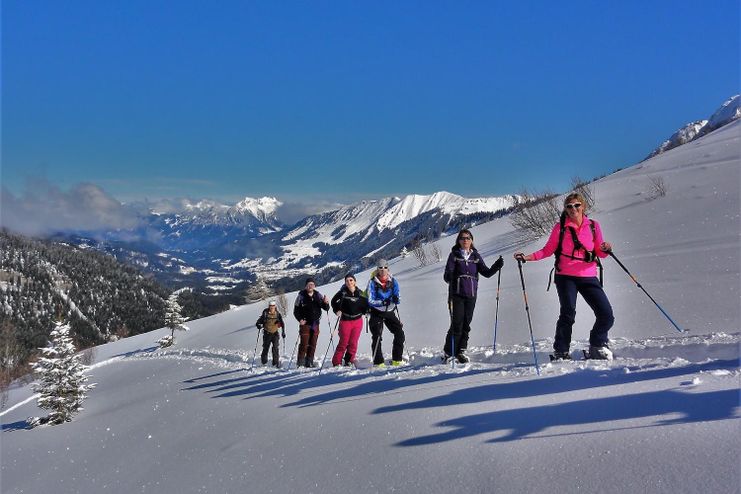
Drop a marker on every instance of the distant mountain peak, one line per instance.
(729, 111)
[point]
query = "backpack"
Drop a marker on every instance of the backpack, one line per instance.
(590, 256)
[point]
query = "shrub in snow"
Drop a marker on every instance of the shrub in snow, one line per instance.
(62, 383)
(536, 213)
(656, 187)
(166, 341)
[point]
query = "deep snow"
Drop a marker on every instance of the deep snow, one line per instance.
(662, 417)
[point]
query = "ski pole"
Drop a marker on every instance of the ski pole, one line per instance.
(496, 313)
(452, 335)
(331, 335)
(378, 342)
(329, 327)
(647, 294)
(527, 311)
(298, 337)
(254, 353)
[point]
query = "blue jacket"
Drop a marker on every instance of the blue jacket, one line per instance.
(377, 296)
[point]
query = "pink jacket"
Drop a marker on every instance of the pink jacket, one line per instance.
(568, 266)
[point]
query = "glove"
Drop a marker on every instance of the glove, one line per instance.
(387, 302)
(498, 264)
(283, 334)
(259, 326)
(395, 299)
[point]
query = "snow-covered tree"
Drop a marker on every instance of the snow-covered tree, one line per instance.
(173, 320)
(404, 252)
(62, 382)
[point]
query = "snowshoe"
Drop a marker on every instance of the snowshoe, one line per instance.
(598, 353)
(560, 356)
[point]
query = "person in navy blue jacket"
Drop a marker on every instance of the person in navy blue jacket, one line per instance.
(383, 297)
(462, 276)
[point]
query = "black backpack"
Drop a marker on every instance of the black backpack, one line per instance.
(589, 256)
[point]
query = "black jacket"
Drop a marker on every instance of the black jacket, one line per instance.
(352, 305)
(309, 308)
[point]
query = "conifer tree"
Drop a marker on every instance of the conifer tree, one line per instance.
(173, 320)
(62, 382)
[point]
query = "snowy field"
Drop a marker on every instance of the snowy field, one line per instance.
(662, 417)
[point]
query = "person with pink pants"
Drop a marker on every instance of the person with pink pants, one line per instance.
(350, 305)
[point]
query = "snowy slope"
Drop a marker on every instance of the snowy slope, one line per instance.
(662, 418)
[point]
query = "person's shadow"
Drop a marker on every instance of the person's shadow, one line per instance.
(520, 423)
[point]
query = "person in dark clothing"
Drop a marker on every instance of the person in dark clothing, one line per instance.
(383, 297)
(462, 276)
(308, 312)
(270, 322)
(350, 305)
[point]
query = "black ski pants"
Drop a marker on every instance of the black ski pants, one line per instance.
(267, 340)
(375, 324)
(461, 314)
(594, 296)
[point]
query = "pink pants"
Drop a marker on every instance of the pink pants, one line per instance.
(349, 336)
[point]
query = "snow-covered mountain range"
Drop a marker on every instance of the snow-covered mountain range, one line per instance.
(208, 245)
(729, 111)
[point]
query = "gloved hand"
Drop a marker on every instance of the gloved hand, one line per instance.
(259, 326)
(283, 334)
(395, 299)
(386, 302)
(498, 264)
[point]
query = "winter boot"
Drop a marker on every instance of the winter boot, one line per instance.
(397, 363)
(462, 358)
(600, 353)
(276, 365)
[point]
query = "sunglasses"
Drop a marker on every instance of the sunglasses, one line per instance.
(464, 238)
(576, 205)
(383, 267)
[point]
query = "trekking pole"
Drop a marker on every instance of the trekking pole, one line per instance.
(527, 311)
(331, 335)
(452, 335)
(329, 326)
(378, 342)
(254, 354)
(496, 313)
(647, 294)
(295, 346)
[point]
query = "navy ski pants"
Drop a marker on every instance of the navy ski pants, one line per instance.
(594, 296)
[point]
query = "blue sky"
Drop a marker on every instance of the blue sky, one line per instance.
(341, 100)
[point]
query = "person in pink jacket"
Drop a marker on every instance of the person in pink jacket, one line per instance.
(576, 272)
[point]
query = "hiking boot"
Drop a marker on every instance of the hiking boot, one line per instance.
(600, 353)
(310, 363)
(446, 357)
(397, 363)
(382, 364)
(276, 365)
(462, 358)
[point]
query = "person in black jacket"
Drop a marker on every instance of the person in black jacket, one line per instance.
(462, 276)
(270, 322)
(308, 312)
(350, 305)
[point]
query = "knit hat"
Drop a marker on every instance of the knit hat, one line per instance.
(272, 302)
(310, 280)
(350, 275)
